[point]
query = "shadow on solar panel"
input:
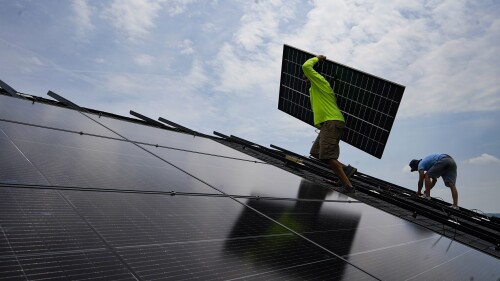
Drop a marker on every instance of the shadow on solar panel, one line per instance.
(369, 103)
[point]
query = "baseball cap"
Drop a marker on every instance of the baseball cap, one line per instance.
(414, 164)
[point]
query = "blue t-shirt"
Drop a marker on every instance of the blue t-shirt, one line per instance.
(429, 161)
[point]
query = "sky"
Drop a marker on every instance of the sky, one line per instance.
(215, 66)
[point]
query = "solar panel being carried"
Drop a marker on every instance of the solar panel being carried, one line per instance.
(369, 104)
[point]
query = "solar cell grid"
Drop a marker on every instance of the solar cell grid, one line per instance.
(94, 162)
(143, 219)
(50, 116)
(19, 170)
(151, 135)
(369, 104)
(98, 265)
(35, 221)
(249, 259)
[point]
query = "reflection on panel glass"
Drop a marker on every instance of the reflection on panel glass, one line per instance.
(68, 159)
(49, 116)
(257, 258)
(151, 135)
(39, 221)
(379, 242)
(82, 265)
(143, 219)
(184, 235)
(246, 178)
(16, 167)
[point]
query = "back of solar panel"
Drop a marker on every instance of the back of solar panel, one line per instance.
(369, 104)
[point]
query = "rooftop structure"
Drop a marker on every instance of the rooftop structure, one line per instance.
(92, 195)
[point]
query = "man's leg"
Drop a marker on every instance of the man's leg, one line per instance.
(339, 171)
(454, 194)
(428, 186)
(315, 148)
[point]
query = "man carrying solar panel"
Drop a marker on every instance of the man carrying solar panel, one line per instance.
(431, 168)
(329, 119)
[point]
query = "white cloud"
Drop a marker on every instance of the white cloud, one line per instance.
(406, 169)
(186, 47)
(134, 17)
(260, 23)
(484, 159)
(143, 59)
(210, 28)
(176, 7)
(82, 17)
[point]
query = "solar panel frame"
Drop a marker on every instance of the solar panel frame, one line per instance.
(369, 103)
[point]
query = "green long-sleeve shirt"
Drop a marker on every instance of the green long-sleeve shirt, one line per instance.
(323, 100)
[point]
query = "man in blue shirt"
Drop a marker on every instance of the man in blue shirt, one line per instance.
(432, 167)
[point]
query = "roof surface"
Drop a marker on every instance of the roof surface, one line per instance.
(92, 195)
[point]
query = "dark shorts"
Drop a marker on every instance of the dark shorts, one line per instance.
(327, 142)
(446, 168)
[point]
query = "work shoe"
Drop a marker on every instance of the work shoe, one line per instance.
(349, 171)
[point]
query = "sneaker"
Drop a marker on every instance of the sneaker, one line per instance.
(349, 171)
(347, 190)
(453, 207)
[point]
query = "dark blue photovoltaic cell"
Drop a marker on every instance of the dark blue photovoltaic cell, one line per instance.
(68, 159)
(157, 236)
(149, 219)
(25, 111)
(92, 265)
(151, 135)
(258, 258)
(380, 242)
(39, 221)
(19, 168)
(247, 178)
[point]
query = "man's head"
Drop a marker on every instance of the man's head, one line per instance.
(414, 164)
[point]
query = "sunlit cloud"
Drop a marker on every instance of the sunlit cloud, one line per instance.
(483, 159)
(143, 59)
(134, 17)
(82, 17)
(186, 47)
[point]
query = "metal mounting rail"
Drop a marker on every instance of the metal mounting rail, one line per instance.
(149, 120)
(64, 101)
(178, 127)
(9, 89)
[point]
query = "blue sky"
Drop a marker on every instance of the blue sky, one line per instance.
(215, 66)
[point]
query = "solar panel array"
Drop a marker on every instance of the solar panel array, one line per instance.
(89, 197)
(369, 104)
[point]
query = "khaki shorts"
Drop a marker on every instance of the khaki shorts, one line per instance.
(327, 142)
